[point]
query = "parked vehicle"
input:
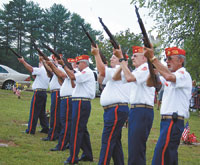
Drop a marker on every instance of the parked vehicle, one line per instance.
(8, 77)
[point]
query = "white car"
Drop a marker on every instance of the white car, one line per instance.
(8, 77)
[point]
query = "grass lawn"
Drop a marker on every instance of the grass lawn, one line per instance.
(29, 149)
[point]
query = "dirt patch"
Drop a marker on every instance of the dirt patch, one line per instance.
(6, 143)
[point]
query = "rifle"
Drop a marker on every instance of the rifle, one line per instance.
(112, 39)
(103, 58)
(57, 56)
(146, 42)
(16, 54)
(40, 52)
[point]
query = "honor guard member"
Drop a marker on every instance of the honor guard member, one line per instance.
(81, 107)
(38, 103)
(65, 107)
(175, 104)
(114, 100)
(54, 86)
(142, 101)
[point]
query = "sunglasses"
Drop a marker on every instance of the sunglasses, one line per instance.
(78, 63)
(169, 58)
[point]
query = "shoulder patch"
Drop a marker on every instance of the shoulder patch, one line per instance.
(83, 72)
(182, 72)
(166, 84)
(144, 68)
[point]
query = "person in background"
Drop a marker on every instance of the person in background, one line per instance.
(38, 103)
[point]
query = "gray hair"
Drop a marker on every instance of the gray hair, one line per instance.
(86, 61)
(182, 56)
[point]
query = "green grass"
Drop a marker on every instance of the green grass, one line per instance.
(29, 149)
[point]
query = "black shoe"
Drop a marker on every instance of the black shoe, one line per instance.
(44, 131)
(54, 149)
(68, 162)
(45, 139)
(85, 159)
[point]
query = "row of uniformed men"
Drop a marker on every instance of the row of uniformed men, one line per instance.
(122, 87)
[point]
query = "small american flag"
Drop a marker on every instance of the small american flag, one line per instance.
(186, 132)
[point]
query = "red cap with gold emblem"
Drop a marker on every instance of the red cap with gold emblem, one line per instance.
(137, 49)
(71, 60)
(82, 57)
(174, 51)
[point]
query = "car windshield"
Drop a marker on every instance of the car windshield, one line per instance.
(2, 70)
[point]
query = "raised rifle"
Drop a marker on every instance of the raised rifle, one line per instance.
(146, 42)
(15, 53)
(112, 39)
(57, 56)
(103, 58)
(40, 52)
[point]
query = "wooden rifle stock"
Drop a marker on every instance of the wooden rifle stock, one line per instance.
(16, 54)
(147, 44)
(40, 52)
(57, 56)
(103, 58)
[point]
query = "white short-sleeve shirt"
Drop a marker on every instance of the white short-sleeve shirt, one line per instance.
(42, 80)
(177, 94)
(54, 84)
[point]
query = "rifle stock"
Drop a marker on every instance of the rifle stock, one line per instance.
(103, 58)
(147, 44)
(57, 56)
(15, 53)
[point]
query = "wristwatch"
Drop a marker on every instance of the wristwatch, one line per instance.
(122, 59)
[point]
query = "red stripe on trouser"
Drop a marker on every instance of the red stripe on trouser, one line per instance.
(33, 106)
(76, 132)
(167, 141)
(66, 124)
(110, 137)
(55, 112)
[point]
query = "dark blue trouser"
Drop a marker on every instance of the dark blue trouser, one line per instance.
(55, 116)
(114, 119)
(139, 126)
(38, 109)
(65, 119)
(80, 137)
(165, 152)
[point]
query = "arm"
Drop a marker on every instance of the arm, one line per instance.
(163, 70)
(48, 69)
(69, 72)
(99, 63)
(26, 65)
(117, 75)
(127, 73)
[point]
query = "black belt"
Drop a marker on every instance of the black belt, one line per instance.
(114, 105)
(55, 90)
(163, 117)
(80, 98)
(65, 97)
(44, 90)
(141, 106)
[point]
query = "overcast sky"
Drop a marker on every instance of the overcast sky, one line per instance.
(118, 15)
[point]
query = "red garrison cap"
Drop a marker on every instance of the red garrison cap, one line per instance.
(71, 60)
(137, 49)
(174, 51)
(82, 57)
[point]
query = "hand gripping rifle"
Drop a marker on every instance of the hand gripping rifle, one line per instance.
(57, 56)
(112, 39)
(146, 42)
(103, 58)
